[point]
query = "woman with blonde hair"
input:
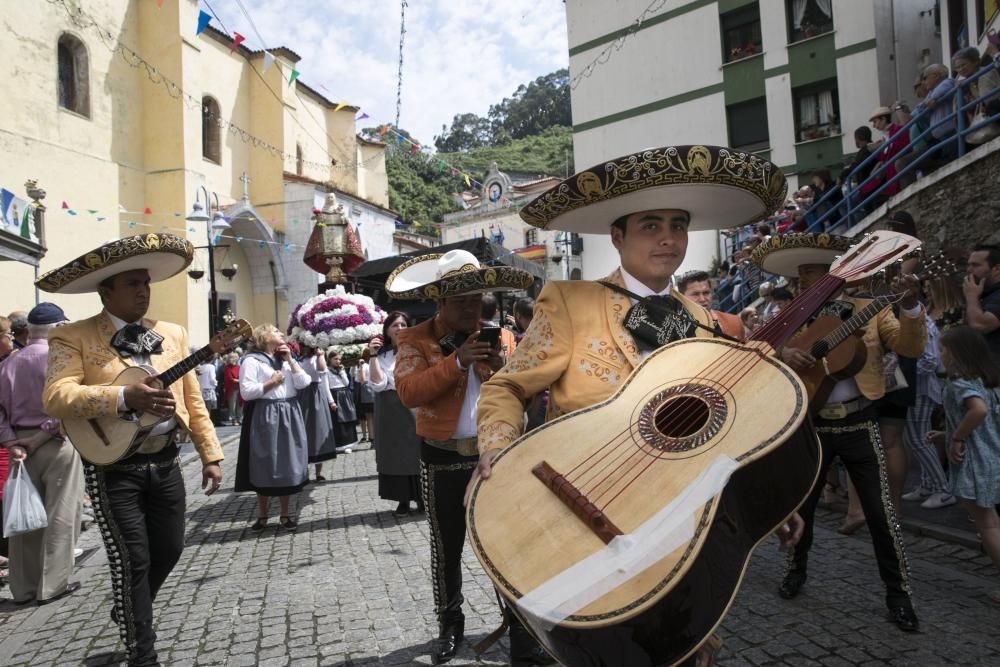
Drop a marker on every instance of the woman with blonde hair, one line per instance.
(274, 451)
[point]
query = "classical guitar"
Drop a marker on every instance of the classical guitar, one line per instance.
(841, 354)
(620, 532)
(104, 440)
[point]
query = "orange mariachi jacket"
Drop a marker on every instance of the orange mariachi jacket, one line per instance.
(430, 382)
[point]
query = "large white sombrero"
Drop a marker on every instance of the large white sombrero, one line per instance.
(783, 254)
(454, 273)
(718, 187)
(163, 255)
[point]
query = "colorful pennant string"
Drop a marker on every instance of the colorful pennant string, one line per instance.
(204, 18)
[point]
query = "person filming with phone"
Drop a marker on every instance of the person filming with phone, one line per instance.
(441, 365)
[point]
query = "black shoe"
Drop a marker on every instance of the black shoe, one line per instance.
(259, 525)
(447, 643)
(403, 509)
(904, 618)
(792, 584)
(288, 523)
(71, 588)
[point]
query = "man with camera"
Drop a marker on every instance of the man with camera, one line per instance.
(440, 367)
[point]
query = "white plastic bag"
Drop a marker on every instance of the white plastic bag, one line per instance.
(23, 510)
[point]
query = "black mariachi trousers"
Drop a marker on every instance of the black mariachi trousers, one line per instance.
(856, 440)
(139, 507)
(444, 476)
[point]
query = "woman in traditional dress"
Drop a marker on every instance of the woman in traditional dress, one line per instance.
(397, 445)
(317, 402)
(274, 451)
(345, 418)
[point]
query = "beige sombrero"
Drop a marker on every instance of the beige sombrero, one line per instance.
(783, 254)
(719, 187)
(454, 273)
(163, 255)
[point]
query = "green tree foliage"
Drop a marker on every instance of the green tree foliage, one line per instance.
(550, 152)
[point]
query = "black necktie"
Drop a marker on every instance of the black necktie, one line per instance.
(136, 340)
(657, 320)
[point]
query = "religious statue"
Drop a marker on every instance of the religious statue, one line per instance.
(334, 248)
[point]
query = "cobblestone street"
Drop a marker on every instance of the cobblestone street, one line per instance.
(352, 586)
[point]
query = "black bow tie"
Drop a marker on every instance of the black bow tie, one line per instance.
(658, 320)
(135, 339)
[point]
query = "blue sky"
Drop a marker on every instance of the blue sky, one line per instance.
(460, 55)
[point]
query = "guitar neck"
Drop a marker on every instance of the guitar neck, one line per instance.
(177, 371)
(854, 323)
(791, 318)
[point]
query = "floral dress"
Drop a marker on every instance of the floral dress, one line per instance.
(977, 477)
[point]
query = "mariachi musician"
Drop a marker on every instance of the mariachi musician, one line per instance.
(586, 337)
(139, 500)
(848, 424)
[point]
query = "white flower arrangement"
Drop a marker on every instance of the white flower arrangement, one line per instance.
(337, 320)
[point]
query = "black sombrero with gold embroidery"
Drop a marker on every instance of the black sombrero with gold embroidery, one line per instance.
(719, 187)
(783, 254)
(454, 273)
(163, 255)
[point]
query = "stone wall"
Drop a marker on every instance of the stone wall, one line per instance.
(957, 206)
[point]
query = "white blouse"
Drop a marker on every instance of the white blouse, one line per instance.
(337, 378)
(254, 372)
(387, 364)
(309, 364)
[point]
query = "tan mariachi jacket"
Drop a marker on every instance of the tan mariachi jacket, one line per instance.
(430, 382)
(81, 360)
(576, 346)
(905, 336)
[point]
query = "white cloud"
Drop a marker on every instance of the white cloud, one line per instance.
(459, 56)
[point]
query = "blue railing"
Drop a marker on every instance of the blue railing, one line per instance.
(849, 208)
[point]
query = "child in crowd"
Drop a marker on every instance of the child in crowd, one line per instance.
(972, 417)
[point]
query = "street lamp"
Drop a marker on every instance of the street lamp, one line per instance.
(217, 227)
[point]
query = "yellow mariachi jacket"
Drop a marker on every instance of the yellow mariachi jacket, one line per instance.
(905, 336)
(81, 360)
(576, 346)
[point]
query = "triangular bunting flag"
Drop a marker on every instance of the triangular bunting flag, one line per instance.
(65, 205)
(71, 212)
(131, 225)
(454, 172)
(413, 149)
(92, 211)
(148, 211)
(400, 138)
(237, 40)
(467, 183)
(340, 105)
(268, 60)
(382, 130)
(121, 209)
(204, 18)
(441, 165)
(293, 76)
(100, 219)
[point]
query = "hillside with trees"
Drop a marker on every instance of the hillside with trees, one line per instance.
(527, 133)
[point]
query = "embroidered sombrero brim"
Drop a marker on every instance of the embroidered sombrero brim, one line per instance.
(417, 279)
(719, 187)
(163, 255)
(783, 254)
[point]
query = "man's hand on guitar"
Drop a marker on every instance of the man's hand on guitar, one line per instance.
(146, 397)
(483, 469)
(797, 359)
(211, 472)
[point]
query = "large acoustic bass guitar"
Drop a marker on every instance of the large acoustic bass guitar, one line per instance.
(620, 532)
(104, 440)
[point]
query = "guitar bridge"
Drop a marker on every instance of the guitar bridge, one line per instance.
(578, 503)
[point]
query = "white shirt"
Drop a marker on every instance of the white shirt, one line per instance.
(387, 364)
(468, 415)
(309, 365)
(206, 377)
(337, 377)
(138, 360)
(254, 372)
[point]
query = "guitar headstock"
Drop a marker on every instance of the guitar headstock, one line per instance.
(235, 332)
(871, 254)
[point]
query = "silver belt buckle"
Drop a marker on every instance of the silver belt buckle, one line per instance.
(833, 411)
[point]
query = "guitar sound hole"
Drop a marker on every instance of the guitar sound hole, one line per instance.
(682, 416)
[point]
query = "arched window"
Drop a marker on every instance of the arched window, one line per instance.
(211, 146)
(298, 159)
(74, 72)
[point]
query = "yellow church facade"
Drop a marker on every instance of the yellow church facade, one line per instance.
(119, 110)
